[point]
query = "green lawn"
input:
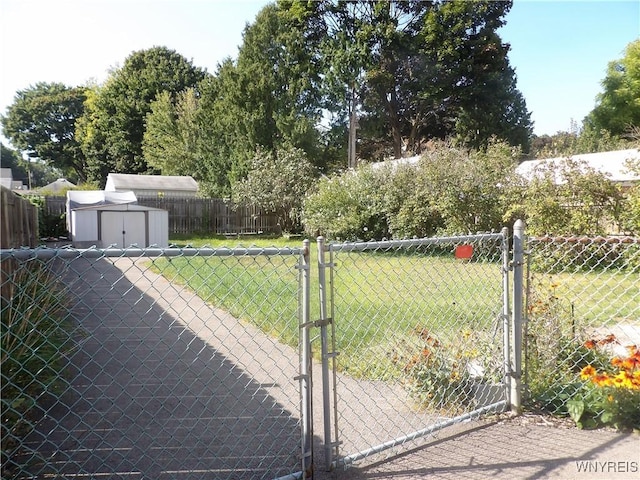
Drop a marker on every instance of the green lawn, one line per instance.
(593, 298)
(382, 299)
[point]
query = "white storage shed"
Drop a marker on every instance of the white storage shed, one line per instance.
(113, 219)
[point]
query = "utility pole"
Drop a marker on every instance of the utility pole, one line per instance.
(353, 127)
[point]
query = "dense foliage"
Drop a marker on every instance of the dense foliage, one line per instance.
(414, 70)
(277, 182)
(453, 190)
(617, 109)
(41, 123)
(112, 129)
(450, 189)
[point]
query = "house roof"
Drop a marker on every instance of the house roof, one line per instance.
(613, 164)
(58, 185)
(123, 181)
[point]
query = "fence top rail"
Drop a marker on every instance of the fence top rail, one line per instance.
(584, 239)
(48, 253)
(415, 242)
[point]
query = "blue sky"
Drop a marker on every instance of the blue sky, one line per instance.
(560, 49)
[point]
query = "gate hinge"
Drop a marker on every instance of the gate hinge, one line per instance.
(317, 323)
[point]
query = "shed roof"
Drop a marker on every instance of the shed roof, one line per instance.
(93, 198)
(121, 207)
(124, 181)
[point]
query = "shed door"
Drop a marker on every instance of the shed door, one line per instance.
(122, 229)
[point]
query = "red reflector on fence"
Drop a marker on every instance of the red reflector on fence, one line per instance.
(464, 252)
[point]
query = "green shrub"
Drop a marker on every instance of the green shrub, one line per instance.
(347, 206)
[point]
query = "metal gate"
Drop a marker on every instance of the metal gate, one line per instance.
(172, 363)
(414, 338)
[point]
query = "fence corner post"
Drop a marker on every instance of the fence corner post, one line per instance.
(518, 302)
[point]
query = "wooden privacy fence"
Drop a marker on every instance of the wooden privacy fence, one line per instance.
(189, 215)
(19, 221)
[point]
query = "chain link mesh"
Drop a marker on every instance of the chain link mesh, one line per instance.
(583, 310)
(126, 364)
(419, 331)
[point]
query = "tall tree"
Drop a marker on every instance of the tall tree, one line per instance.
(278, 80)
(41, 123)
(416, 70)
(617, 108)
(113, 128)
(186, 137)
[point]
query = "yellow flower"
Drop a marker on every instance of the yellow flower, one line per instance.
(587, 372)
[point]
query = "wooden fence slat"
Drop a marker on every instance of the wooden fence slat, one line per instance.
(19, 221)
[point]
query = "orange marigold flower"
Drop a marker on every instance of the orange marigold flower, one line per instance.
(608, 339)
(617, 362)
(602, 380)
(587, 372)
(632, 363)
(590, 344)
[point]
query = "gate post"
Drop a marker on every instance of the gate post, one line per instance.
(330, 447)
(518, 302)
(306, 385)
(506, 313)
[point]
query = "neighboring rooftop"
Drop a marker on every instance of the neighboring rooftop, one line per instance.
(59, 185)
(613, 164)
(159, 183)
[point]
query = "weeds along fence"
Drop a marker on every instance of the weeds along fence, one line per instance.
(190, 215)
(582, 311)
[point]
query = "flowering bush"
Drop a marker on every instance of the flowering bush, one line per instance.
(610, 397)
(443, 374)
(437, 376)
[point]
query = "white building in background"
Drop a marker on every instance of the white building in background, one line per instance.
(6, 180)
(614, 164)
(96, 218)
(152, 185)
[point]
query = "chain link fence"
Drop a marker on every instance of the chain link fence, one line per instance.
(582, 317)
(150, 364)
(219, 363)
(419, 339)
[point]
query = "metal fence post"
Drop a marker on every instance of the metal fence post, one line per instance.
(506, 312)
(306, 384)
(518, 297)
(324, 347)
